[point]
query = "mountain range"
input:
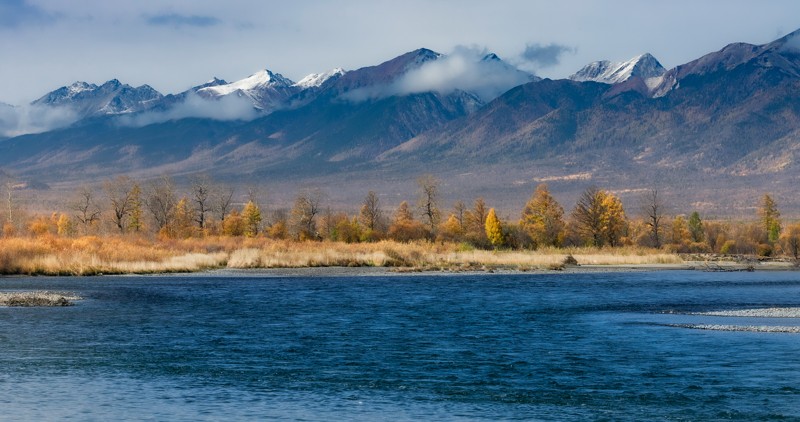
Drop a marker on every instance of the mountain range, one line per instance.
(712, 134)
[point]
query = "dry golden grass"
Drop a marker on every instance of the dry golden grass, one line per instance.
(50, 255)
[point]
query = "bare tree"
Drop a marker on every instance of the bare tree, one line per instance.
(428, 201)
(161, 201)
(460, 210)
(302, 220)
(86, 209)
(201, 193)
(120, 195)
(10, 200)
(653, 208)
(371, 213)
(223, 201)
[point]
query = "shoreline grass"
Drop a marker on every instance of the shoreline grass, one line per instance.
(91, 255)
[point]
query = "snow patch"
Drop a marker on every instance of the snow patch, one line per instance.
(315, 80)
(261, 79)
(644, 65)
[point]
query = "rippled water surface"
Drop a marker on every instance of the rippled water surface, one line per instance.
(423, 347)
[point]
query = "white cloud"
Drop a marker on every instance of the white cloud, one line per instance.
(229, 107)
(465, 69)
(27, 119)
(792, 42)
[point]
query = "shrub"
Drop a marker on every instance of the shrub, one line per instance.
(764, 249)
(728, 247)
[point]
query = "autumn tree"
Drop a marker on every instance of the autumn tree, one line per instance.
(680, 232)
(451, 230)
(475, 222)
(233, 225)
(543, 218)
(769, 216)
(791, 240)
(182, 226)
(494, 229)
(135, 217)
(251, 215)
(87, 212)
(696, 227)
(653, 209)
(278, 228)
(65, 226)
(613, 219)
(599, 217)
(428, 202)
(303, 217)
(119, 192)
(404, 227)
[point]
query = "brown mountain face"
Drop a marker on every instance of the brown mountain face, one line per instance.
(716, 131)
(712, 134)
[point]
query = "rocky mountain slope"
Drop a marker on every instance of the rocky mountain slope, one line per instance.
(714, 133)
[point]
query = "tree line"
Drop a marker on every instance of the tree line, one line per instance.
(598, 218)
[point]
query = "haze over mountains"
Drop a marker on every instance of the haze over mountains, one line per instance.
(713, 133)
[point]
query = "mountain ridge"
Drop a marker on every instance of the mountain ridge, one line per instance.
(716, 127)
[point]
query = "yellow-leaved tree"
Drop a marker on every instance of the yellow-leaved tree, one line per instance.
(233, 225)
(494, 230)
(251, 215)
(65, 226)
(613, 218)
(543, 218)
(183, 226)
(451, 230)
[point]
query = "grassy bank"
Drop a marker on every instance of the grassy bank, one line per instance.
(130, 255)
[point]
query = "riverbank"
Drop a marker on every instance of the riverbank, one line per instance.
(91, 255)
(129, 255)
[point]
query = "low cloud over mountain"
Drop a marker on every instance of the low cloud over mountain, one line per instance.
(466, 69)
(33, 118)
(223, 109)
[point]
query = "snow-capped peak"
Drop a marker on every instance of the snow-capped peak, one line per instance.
(78, 87)
(644, 66)
(316, 79)
(261, 79)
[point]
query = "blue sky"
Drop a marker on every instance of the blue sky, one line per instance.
(172, 45)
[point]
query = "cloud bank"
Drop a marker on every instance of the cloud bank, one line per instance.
(466, 69)
(14, 13)
(545, 55)
(225, 108)
(175, 20)
(28, 119)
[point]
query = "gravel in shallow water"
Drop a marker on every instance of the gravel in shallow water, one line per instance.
(37, 298)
